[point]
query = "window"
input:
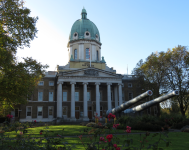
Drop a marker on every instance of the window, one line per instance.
(97, 55)
(51, 83)
(41, 83)
(130, 96)
(50, 110)
(89, 108)
(76, 96)
(76, 108)
(16, 112)
(40, 111)
(50, 96)
(75, 54)
(100, 96)
(129, 84)
(40, 96)
(88, 96)
(28, 111)
(87, 53)
(101, 108)
(64, 96)
(64, 110)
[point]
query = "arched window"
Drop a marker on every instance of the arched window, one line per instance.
(87, 53)
(97, 55)
(75, 54)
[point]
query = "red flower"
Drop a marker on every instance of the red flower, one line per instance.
(115, 145)
(118, 148)
(40, 132)
(128, 130)
(111, 116)
(115, 125)
(35, 121)
(109, 137)
(11, 116)
(101, 139)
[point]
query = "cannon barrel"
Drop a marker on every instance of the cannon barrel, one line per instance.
(152, 102)
(129, 103)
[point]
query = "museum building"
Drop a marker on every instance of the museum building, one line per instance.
(83, 87)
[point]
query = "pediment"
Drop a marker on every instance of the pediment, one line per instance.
(90, 72)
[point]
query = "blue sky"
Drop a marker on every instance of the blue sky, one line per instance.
(130, 30)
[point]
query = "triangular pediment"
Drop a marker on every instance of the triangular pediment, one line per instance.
(90, 72)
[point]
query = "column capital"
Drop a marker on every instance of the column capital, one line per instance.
(85, 83)
(97, 83)
(109, 83)
(60, 82)
(120, 84)
(72, 82)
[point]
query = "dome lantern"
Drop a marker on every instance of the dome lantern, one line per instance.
(83, 13)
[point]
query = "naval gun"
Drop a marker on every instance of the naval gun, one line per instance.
(151, 103)
(129, 103)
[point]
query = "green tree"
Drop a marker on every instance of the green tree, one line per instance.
(177, 75)
(168, 71)
(17, 29)
(151, 73)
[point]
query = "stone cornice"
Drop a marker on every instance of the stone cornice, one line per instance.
(60, 82)
(82, 41)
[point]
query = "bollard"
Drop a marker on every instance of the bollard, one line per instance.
(105, 120)
(97, 120)
(114, 120)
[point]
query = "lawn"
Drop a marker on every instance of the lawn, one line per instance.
(179, 140)
(64, 130)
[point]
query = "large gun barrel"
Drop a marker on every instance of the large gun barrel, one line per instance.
(152, 102)
(129, 103)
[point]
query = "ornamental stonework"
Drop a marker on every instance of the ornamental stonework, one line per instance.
(91, 72)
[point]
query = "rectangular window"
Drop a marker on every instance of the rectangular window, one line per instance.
(41, 83)
(51, 83)
(76, 108)
(16, 112)
(76, 96)
(28, 111)
(130, 96)
(40, 96)
(40, 111)
(87, 53)
(50, 96)
(64, 96)
(50, 110)
(64, 110)
(130, 85)
(88, 96)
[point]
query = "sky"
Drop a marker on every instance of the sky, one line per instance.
(130, 30)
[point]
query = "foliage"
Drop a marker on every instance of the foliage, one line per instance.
(164, 72)
(17, 79)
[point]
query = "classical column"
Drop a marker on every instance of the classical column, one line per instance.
(97, 99)
(85, 106)
(72, 101)
(109, 95)
(115, 96)
(59, 99)
(120, 93)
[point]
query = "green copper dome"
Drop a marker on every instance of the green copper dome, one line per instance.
(84, 29)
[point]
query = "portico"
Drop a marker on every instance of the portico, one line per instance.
(97, 78)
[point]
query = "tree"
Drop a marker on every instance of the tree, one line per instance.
(165, 72)
(151, 74)
(17, 29)
(177, 75)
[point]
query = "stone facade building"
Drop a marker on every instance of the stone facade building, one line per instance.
(83, 87)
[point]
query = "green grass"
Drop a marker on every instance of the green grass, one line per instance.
(58, 129)
(179, 140)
